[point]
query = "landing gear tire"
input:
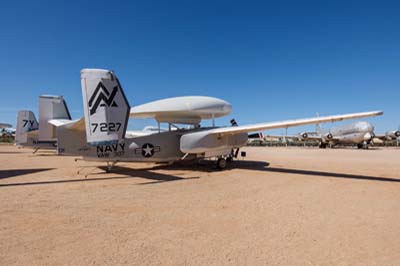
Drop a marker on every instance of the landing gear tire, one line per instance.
(365, 145)
(322, 146)
(360, 146)
(221, 163)
(110, 165)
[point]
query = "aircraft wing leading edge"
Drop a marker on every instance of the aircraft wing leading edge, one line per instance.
(3, 125)
(291, 123)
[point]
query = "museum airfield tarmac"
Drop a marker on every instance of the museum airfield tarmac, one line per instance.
(280, 206)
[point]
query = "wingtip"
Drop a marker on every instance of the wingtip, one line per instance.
(378, 112)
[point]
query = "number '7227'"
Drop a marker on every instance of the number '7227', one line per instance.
(106, 127)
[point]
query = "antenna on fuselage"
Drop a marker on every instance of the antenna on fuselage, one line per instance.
(233, 122)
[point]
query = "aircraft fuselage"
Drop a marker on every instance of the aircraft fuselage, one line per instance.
(157, 147)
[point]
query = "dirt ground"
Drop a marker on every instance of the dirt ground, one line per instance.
(280, 206)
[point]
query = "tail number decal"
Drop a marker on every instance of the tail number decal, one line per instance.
(31, 122)
(106, 127)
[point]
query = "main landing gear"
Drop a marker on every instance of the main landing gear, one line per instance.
(363, 146)
(110, 165)
(221, 163)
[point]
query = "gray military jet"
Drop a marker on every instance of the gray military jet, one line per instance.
(101, 134)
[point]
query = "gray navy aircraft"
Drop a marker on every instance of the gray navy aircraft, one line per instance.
(101, 135)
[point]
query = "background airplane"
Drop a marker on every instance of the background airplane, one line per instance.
(41, 135)
(359, 133)
(6, 132)
(3, 125)
(390, 135)
(101, 134)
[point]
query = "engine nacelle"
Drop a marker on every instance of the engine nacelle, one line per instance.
(304, 136)
(328, 136)
(204, 142)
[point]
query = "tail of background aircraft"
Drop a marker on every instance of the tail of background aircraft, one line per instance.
(51, 107)
(105, 106)
(26, 122)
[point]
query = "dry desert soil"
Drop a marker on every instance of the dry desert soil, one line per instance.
(279, 206)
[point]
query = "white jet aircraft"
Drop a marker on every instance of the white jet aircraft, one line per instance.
(101, 134)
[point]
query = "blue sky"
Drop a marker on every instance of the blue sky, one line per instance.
(272, 60)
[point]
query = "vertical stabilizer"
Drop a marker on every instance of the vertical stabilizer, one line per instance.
(26, 122)
(105, 106)
(51, 107)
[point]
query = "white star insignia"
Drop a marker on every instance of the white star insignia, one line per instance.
(148, 150)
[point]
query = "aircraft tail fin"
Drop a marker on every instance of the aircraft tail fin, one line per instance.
(26, 122)
(105, 106)
(51, 107)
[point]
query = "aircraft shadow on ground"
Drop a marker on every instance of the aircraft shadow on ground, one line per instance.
(331, 174)
(43, 155)
(204, 166)
(125, 171)
(17, 172)
(147, 173)
(11, 152)
(263, 166)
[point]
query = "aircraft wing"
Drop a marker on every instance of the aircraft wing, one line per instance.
(380, 136)
(314, 138)
(294, 137)
(2, 125)
(290, 123)
(282, 137)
